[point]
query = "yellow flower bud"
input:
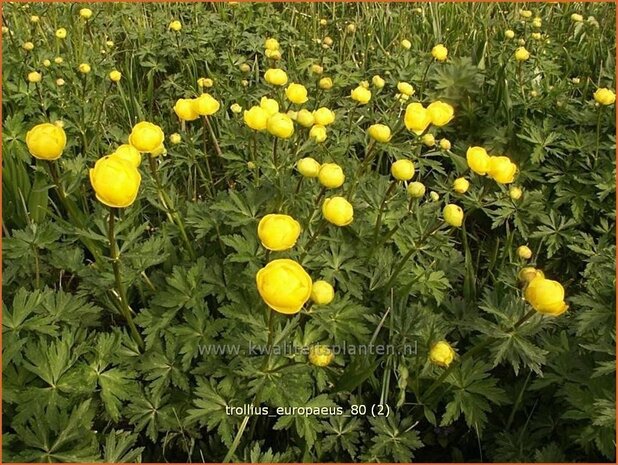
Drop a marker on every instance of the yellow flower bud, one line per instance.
(34, 19)
(441, 113)
(323, 22)
(331, 175)
(378, 82)
(205, 82)
(146, 137)
(429, 140)
(58, 60)
(115, 76)
(501, 170)
(284, 285)
(405, 88)
(338, 211)
(245, 67)
(296, 93)
(61, 33)
(321, 355)
(326, 83)
(236, 108)
(546, 296)
(351, 28)
(604, 96)
(185, 110)
(323, 116)
(528, 273)
(278, 232)
(405, 43)
(175, 138)
(317, 69)
(305, 118)
(109, 43)
(441, 354)
(461, 185)
(269, 105)
(46, 141)
(115, 181)
(445, 144)
(318, 133)
(34, 77)
(417, 118)
(515, 193)
(28, 46)
(364, 84)
(434, 196)
(271, 44)
(361, 95)
(60, 82)
(280, 125)
(256, 118)
(276, 76)
(322, 293)
(379, 132)
(416, 190)
(175, 26)
(85, 13)
(521, 54)
(205, 105)
(525, 13)
(537, 22)
(402, 170)
(478, 160)
(439, 52)
(453, 215)
(536, 35)
(128, 153)
(327, 41)
(84, 68)
(308, 167)
(273, 54)
(577, 18)
(524, 252)
(509, 34)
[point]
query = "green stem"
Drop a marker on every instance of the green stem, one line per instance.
(312, 239)
(598, 137)
(211, 187)
(389, 191)
(420, 91)
(368, 158)
(213, 137)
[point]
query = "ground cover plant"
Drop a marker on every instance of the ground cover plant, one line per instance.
(308, 232)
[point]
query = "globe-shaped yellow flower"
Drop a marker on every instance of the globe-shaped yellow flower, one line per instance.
(405, 43)
(278, 232)
(296, 93)
(378, 82)
(604, 96)
(338, 211)
(515, 193)
(128, 153)
(509, 34)
(429, 139)
(115, 181)
(276, 77)
(361, 95)
(402, 170)
(521, 54)
(146, 137)
(28, 46)
(461, 185)
(85, 13)
(478, 160)
(379, 132)
(305, 118)
(61, 33)
(528, 273)
(308, 167)
(316, 69)
(84, 68)
(323, 116)
(546, 296)
(318, 133)
(523, 251)
(322, 293)
(453, 215)
(441, 113)
(280, 125)
(46, 141)
(256, 118)
(284, 285)
(205, 105)
(441, 354)
(439, 52)
(321, 355)
(271, 44)
(115, 76)
(175, 26)
(185, 110)
(405, 88)
(34, 77)
(325, 83)
(445, 144)
(331, 175)
(269, 105)
(417, 118)
(175, 138)
(501, 170)
(416, 190)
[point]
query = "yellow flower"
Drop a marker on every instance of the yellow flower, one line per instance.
(405, 43)
(402, 170)
(523, 251)
(109, 43)
(270, 105)
(478, 160)
(175, 138)
(305, 118)
(46, 63)
(322, 293)
(326, 83)
(515, 193)
(284, 285)
(417, 118)
(271, 44)
(441, 354)
(58, 60)
(185, 110)
(146, 137)
(364, 84)
(509, 34)
(205, 82)
(34, 77)
(317, 69)
(361, 95)
(577, 18)
(453, 215)
(160, 150)
(175, 26)
(46, 141)
(351, 28)
(604, 96)
(61, 33)
(536, 35)
(318, 133)
(546, 296)
(338, 211)
(28, 46)
(441, 113)
(321, 355)
(525, 13)
(528, 273)
(416, 190)
(296, 93)
(378, 82)
(331, 175)
(60, 82)
(323, 22)
(128, 153)
(445, 144)
(84, 68)
(461, 185)
(205, 105)
(278, 232)
(521, 54)
(85, 13)
(273, 54)
(308, 167)
(434, 196)
(379, 132)
(276, 76)
(429, 140)
(405, 88)
(256, 118)
(327, 41)
(280, 125)
(323, 116)
(245, 67)
(115, 75)
(439, 52)
(501, 170)
(34, 19)
(115, 181)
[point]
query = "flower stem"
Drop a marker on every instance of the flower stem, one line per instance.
(387, 194)
(211, 187)
(312, 239)
(213, 137)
